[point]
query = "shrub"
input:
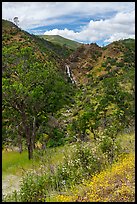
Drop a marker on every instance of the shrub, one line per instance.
(34, 187)
(104, 64)
(11, 197)
(120, 64)
(111, 147)
(108, 68)
(113, 61)
(106, 144)
(86, 160)
(109, 59)
(57, 138)
(115, 184)
(84, 163)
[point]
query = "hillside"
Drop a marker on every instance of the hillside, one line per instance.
(110, 185)
(106, 81)
(72, 113)
(11, 33)
(32, 72)
(96, 61)
(95, 71)
(56, 39)
(113, 183)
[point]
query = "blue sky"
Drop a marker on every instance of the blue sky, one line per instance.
(88, 22)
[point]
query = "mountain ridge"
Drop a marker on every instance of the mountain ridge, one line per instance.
(82, 99)
(91, 58)
(57, 39)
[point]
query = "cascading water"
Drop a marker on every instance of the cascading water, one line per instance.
(68, 71)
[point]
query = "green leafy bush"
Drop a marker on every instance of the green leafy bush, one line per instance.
(110, 147)
(57, 138)
(33, 188)
(84, 163)
(104, 64)
(108, 68)
(113, 61)
(120, 64)
(106, 144)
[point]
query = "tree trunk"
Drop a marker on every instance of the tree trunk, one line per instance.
(20, 147)
(34, 132)
(29, 143)
(20, 139)
(28, 136)
(30, 149)
(105, 119)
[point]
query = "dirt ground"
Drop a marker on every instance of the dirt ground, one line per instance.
(10, 183)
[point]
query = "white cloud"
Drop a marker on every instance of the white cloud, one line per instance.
(122, 25)
(34, 14)
(107, 20)
(119, 36)
(65, 33)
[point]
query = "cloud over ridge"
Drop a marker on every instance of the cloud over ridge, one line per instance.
(106, 21)
(120, 26)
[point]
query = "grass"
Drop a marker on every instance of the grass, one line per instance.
(127, 141)
(61, 41)
(115, 184)
(14, 162)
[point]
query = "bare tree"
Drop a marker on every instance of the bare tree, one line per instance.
(10, 19)
(16, 21)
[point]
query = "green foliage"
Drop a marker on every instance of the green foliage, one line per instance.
(83, 163)
(108, 68)
(109, 60)
(106, 144)
(110, 185)
(32, 189)
(56, 39)
(30, 88)
(120, 64)
(113, 61)
(35, 90)
(104, 64)
(56, 139)
(86, 160)
(11, 197)
(107, 108)
(110, 147)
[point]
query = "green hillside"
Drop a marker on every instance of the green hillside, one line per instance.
(31, 69)
(61, 41)
(70, 114)
(92, 60)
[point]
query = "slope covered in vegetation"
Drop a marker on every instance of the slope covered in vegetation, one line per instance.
(33, 83)
(56, 39)
(62, 175)
(90, 60)
(115, 184)
(52, 97)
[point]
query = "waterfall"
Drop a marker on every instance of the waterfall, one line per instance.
(68, 71)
